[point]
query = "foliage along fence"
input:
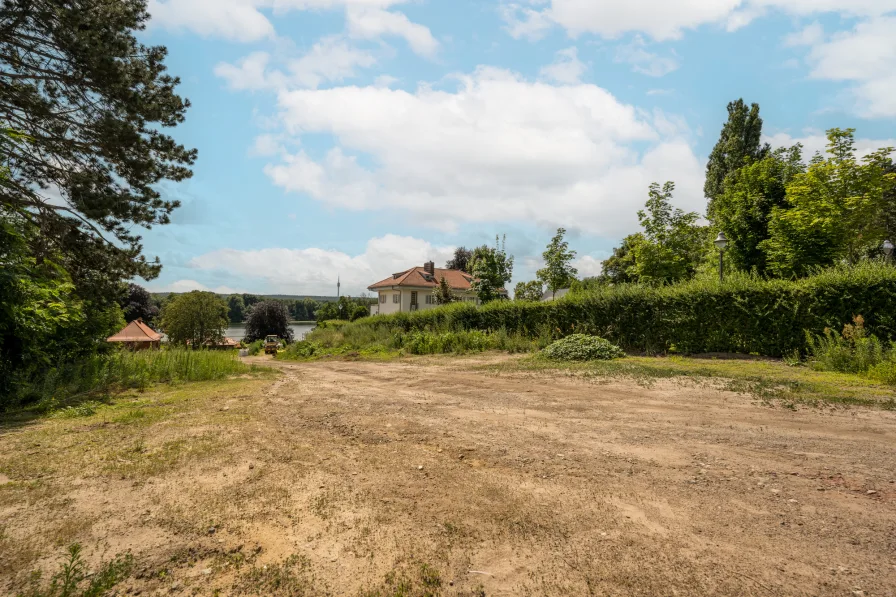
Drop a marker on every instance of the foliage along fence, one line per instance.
(745, 314)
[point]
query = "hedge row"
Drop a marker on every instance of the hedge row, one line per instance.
(744, 315)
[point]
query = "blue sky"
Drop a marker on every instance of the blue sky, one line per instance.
(357, 138)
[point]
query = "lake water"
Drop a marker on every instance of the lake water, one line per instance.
(237, 331)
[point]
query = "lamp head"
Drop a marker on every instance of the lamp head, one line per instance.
(721, 241)
(888, 247)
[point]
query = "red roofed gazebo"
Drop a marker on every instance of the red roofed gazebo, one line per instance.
(137, 336)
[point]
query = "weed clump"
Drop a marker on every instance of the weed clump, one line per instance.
(75, 579)
(582, 347)
(854, 350)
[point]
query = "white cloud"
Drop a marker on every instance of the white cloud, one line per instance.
(329, 60)
(250, 72)
(660, 91)
(589, 266)
(566, 68)
(807, 36)
(666, 19)
(815, 141)
(497, 148)
(643, 61)
(372, 23)
(865, 56)
(314, 270)
(266, 145)
(242, 20)
(239, 20)
(524, 22)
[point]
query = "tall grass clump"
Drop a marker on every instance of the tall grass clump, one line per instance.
(853, 350)
(255, 347)
(745, 314)
(124, 369)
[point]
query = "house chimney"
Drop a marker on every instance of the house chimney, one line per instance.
(429, 267)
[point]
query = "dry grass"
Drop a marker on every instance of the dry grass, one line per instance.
(434, 477)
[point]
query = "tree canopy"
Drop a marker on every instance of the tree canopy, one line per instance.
(461, 260)
(491, 268)
(90, 104)
(442, 293)
(196, 318)
(739, 141)
(268, 318)
(558, 271)
(138, 304)
(528, 291)
(839, 209)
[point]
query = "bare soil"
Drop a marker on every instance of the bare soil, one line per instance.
(349, 478)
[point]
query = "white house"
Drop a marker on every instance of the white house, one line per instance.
(411, 290)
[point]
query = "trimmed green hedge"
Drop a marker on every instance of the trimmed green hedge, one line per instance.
(744, 315)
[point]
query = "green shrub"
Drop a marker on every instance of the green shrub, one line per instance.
(582, 347)
(745, 314)
(255, 348)
(853, 350)
(299, 350)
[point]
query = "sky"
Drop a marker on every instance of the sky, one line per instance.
(359, 138)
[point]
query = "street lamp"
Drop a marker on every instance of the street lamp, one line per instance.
(721, 242)
(888, 249)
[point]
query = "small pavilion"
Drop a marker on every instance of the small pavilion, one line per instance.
(137, 336)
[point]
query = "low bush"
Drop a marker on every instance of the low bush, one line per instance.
(300, 350)
(255, 348)
(745, 314)
(582, 347)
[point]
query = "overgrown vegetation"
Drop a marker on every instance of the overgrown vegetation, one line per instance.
(75, 579)
(103, 374)
(582, 347)
(747, 314)
(854, 350)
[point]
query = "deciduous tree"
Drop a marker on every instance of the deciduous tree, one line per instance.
(138, 304)
(442, 293)
(528, 291)
(196, 318)
(270, 317)
(491, 269)
(739, 141)
(838, 210)
(558, 271)
(461, 260)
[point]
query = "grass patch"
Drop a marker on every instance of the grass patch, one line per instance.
(764, 379)
(76, 390)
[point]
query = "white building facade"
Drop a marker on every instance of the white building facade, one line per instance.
(412, 290)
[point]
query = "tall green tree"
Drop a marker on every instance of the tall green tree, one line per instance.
(138, 304)
(528, 291)
(461, 260)
(673, 244)
(743, 210)
(236, 308)
(92, 104)
(270, 317)
(558, 271)
(739, 141)
(619, 268)
(196, 318)
(840, 209)
(491, 269)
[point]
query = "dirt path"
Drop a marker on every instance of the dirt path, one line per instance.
(513, 484)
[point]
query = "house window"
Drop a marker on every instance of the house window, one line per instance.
(382, 298)
(413, 298)
(428, 299)
(396, 298)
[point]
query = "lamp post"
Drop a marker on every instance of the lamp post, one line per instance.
(888, 249)
(721, 242)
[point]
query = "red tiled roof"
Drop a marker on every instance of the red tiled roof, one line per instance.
(417, 277)
(136, 331)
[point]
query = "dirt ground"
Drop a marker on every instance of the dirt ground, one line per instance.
(433, 477)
